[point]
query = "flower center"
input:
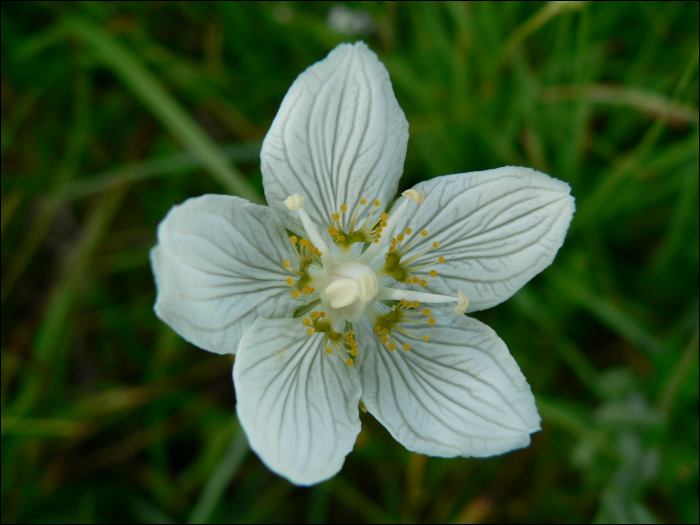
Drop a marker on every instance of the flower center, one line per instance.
(350, 288)
(347, 289)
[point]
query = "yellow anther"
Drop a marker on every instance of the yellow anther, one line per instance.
(383, 224)
(441, 259)
(286, 264)
(378, 236)
(433, 273)
(384, 216)
(349, 362)
(416, 280)
(294, 239)
(391, 346)
(377, 330)
(329, 350)
(431, 321)
(415, 304)
(400, 237)
(426, 312)
(296, 294)
(363, 201)
(379, 229)
(409, 231)
(407, 347)
(310, 331)
(336, 216)
(290, 281)
(426, 338)
(323, 314)
(307, 290)
(315, 315)
(305, 242)
(343, 207)
(354, 352)
(377, 202)
(394, 241)
(424, 233)
(332, 230)
(423, 282)
(376, 240)
(306, 321)
(392, 249)
(436, 244)
(384, 339)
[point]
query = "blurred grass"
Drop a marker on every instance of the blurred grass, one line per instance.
(111, 110)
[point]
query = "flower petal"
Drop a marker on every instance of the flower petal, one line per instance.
(460, 393)
(218, 266)
(497, 229)
(297, 404)
(339, 136)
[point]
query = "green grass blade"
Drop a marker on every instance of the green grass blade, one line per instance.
(158, 100)
(220, 479)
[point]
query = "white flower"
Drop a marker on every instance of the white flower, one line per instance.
(382, 294)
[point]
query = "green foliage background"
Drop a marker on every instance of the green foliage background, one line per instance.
(112, 109)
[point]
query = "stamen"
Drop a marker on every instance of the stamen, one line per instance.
(414, 196)
(385, 324)
(391, 221)
(388, 294)
(295, 203)
(462, 304)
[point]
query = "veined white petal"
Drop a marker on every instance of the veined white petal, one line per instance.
(218, 266)
(497, 229)
(297, 404)
(339, 136)
(460, 393)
